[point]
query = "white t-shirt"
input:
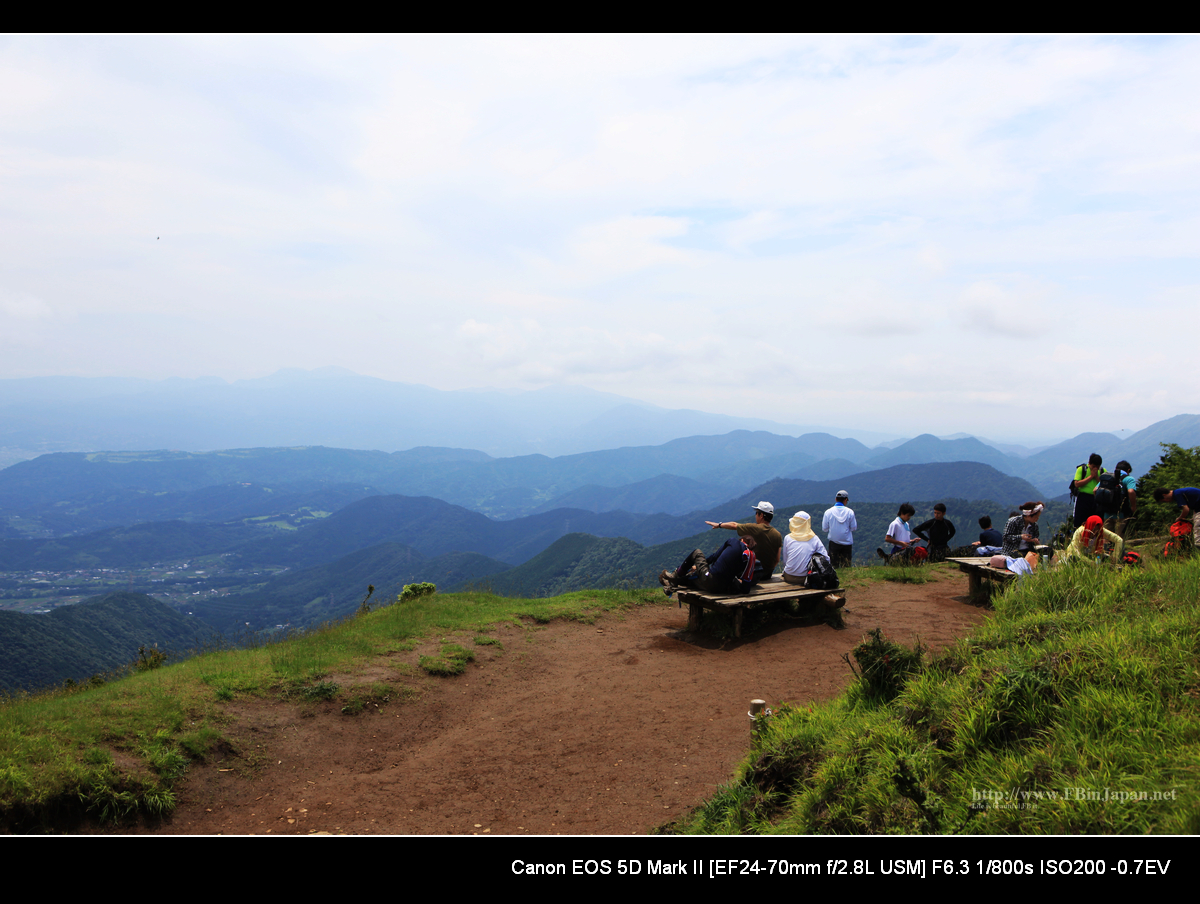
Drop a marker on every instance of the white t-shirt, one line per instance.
(899, 530)
(798, 553)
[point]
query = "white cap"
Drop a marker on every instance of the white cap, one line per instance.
(765, 507)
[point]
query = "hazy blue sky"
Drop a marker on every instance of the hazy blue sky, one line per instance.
(909, 234)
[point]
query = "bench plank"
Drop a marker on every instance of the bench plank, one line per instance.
(774, 589)
(978, 569)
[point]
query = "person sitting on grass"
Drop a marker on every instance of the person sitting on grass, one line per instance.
(728, 570)
(900, 535)
(990, 541)
(1087, 544)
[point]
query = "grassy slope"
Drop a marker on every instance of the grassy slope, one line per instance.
(1084, 686)
(59, 749)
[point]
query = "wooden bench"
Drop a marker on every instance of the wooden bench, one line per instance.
(978, 569)
(775, 589)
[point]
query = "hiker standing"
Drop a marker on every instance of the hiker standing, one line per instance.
(839, 525)
(1083, 488)
(1116, 498)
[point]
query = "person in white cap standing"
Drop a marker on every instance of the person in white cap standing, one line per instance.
(839, 525)
(768, 541)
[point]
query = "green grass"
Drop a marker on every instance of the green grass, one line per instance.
(1075, 709)
(861, 575)
(452, 660)
(60, 749)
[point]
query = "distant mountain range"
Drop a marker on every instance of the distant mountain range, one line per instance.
(65, 493)
(391, 540)
(434, 527)
(335, 520)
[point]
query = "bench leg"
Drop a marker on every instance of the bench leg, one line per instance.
(694, 610)
(737, 621)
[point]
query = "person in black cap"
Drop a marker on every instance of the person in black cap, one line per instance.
(938, 531)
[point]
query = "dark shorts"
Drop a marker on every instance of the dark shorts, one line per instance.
(1085, 507)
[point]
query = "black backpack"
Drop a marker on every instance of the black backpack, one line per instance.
(821, 575)
(1071, 486)
(1110, 492)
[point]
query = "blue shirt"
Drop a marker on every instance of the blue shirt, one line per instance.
(1189, 496)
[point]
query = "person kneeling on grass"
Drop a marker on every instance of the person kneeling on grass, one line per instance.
(1088, 542)
(728, 570)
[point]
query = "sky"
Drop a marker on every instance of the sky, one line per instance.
(993, 235)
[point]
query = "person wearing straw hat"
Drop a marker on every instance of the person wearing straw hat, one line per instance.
(799, 546)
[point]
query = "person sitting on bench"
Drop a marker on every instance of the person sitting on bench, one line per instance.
(728, 570)
(799, 546)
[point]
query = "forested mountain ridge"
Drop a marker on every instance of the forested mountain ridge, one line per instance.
(98, 635)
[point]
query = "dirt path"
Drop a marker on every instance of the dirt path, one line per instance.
(611, 728)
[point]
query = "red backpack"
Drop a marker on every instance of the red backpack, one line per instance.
(1181, 532)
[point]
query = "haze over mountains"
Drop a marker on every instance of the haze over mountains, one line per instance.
(336, 407)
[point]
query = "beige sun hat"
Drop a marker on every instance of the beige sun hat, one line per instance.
(800, 527)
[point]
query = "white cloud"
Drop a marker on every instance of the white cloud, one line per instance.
(24, 307)
(662, 216)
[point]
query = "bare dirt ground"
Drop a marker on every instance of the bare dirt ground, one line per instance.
(611, 728)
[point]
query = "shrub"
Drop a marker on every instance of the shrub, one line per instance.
(149, 659)
(883, 666)
(416, 591)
